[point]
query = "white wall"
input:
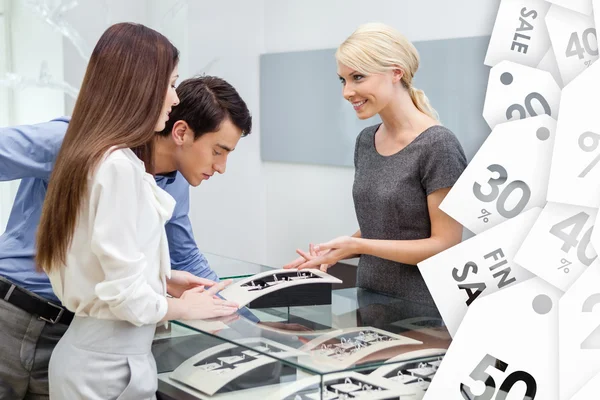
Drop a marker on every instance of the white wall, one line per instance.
(258, 211)
(5, 61)
(295, 25)
(34, 41)
(262, 211)
(7, 191)
(209, 37)
(90, 19)
(169, 17)
(229, 212)
(30, 42)
(312, 203)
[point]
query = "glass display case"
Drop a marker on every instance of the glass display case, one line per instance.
(230, 268)
(363, 345)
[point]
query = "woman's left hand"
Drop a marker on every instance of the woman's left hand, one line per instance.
(330, 253)
(181, 281)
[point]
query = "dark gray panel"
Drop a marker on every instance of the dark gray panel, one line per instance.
(305, 119)
(454, 78)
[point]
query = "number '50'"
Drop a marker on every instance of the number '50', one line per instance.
(480, 375)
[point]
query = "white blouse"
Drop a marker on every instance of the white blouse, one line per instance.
(117, 264)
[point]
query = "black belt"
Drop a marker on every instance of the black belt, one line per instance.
(33, 304)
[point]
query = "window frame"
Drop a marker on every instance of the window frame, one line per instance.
(8, 190)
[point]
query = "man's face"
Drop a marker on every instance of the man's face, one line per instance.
(198, 160)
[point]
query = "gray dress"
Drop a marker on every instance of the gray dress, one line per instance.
(390, 199)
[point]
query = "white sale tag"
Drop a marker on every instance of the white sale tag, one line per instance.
(549, 64)
(520, 33)
(595, 237)
(596, 12)
(508, 175)
(515, 91)
(557, 248)
(581, 6)
(480, 265)
(505, 348)
(573, 38)
(579, 332)
(589, 391)
(574, 176)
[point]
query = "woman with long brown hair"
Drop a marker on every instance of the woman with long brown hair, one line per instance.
(101, 236)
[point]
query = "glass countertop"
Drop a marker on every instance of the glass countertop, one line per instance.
(230, 268)
(361, 330)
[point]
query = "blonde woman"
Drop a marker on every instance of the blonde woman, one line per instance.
(405, 166)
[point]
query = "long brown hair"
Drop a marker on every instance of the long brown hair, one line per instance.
(119, 104)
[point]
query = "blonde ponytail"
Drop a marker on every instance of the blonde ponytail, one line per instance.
(422, 102)
(376, 48)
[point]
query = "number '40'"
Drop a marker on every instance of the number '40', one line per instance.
(575, 48)
(570, 239)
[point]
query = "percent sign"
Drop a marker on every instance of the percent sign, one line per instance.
(484, 215)
(565, 263)
(595, 139)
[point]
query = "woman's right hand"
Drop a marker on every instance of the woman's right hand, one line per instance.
(203, 303)
(304, 257)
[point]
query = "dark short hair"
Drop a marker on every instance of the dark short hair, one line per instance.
(205, 102)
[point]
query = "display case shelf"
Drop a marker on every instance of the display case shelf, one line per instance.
(379, 346)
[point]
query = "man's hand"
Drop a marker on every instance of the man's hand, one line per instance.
(181, 281)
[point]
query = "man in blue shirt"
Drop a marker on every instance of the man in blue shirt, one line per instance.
(202, 130)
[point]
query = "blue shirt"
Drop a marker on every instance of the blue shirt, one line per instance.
(28, 153)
